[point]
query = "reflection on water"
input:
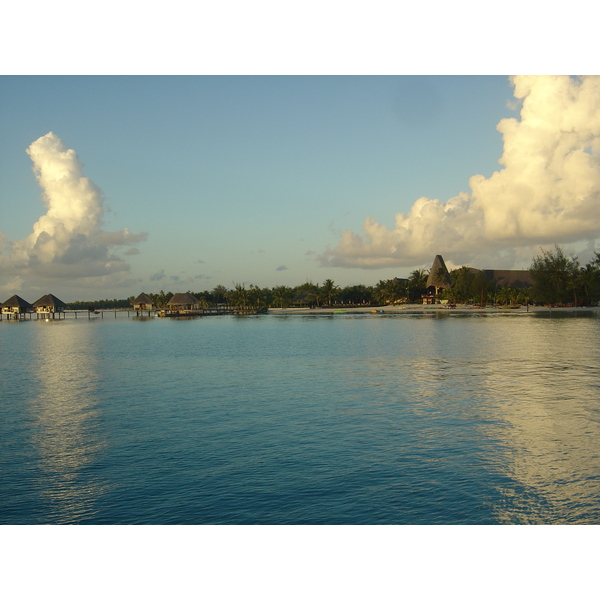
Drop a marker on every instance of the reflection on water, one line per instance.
(545, 385)
(376, 420)
(67, 432)
(513, 399)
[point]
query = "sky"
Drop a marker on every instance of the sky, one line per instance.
(114, 185)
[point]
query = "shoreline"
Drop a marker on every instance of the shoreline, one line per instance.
(427, 309)
(408, 309)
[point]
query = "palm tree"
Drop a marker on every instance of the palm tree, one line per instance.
(505, 295)
(282, 295)
(397, 290)
(316, 294)
(380, 292)
(356, 294)
(220, 294)
(330, 290)
(462, 280)
(389, 291)
(311, 292)
(239, 295)
(162, 298)
(417, 283)
(585, 280)
(255, 296)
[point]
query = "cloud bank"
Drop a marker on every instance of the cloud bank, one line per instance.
(547, 192)
(68, 240)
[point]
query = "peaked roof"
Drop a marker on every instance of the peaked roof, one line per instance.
(186, 298)
(434, 278)
(501, 277)
(143, 299)
(16, 301)
(49, 300)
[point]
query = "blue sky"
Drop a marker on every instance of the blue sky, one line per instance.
(250, 174)
(254, 179)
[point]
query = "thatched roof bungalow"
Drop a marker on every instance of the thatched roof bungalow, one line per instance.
(143, 302)
(184, 302)
(49, 304)
(15, 305)
(438, 279)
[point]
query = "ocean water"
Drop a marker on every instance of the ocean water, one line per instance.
(340, 419)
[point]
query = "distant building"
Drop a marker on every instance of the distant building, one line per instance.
(15, 306)
(184, 303)
(439, 278)
(143, 302)
(510, 278)
(49, 305)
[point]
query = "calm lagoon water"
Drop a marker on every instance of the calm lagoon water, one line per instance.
(342, 419)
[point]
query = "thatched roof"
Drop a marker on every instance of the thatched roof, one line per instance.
(509, 278)
(142, 299)
(501, 277)
(49, 300)
(183, 299)
(434, 279)
(17, 302)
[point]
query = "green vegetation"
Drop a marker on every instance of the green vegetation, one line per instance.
(468, 285)
(558, 280)
(115, 303)
(562, 280)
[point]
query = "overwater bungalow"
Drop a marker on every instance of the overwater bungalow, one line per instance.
(184, 303)
(16, 308)
(49, 305)
(143, 302)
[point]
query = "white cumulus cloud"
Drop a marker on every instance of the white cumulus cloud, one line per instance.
(547, 191)
(68, 240)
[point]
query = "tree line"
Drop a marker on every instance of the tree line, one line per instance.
(557, 280)
(560, 279)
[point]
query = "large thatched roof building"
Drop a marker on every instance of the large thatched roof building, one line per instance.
(49, 304)
(440, 279)
(143, 302)
(184, 302)
(15, 305)
(510, 278)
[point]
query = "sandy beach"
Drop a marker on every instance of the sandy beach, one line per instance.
(421, 308)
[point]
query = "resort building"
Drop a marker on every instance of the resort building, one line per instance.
(511, 278)
(143, 302)
(49, 305)
(15, 307)
(184, 303)
(440, 279)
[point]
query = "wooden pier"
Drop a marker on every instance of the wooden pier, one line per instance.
(121, 313)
